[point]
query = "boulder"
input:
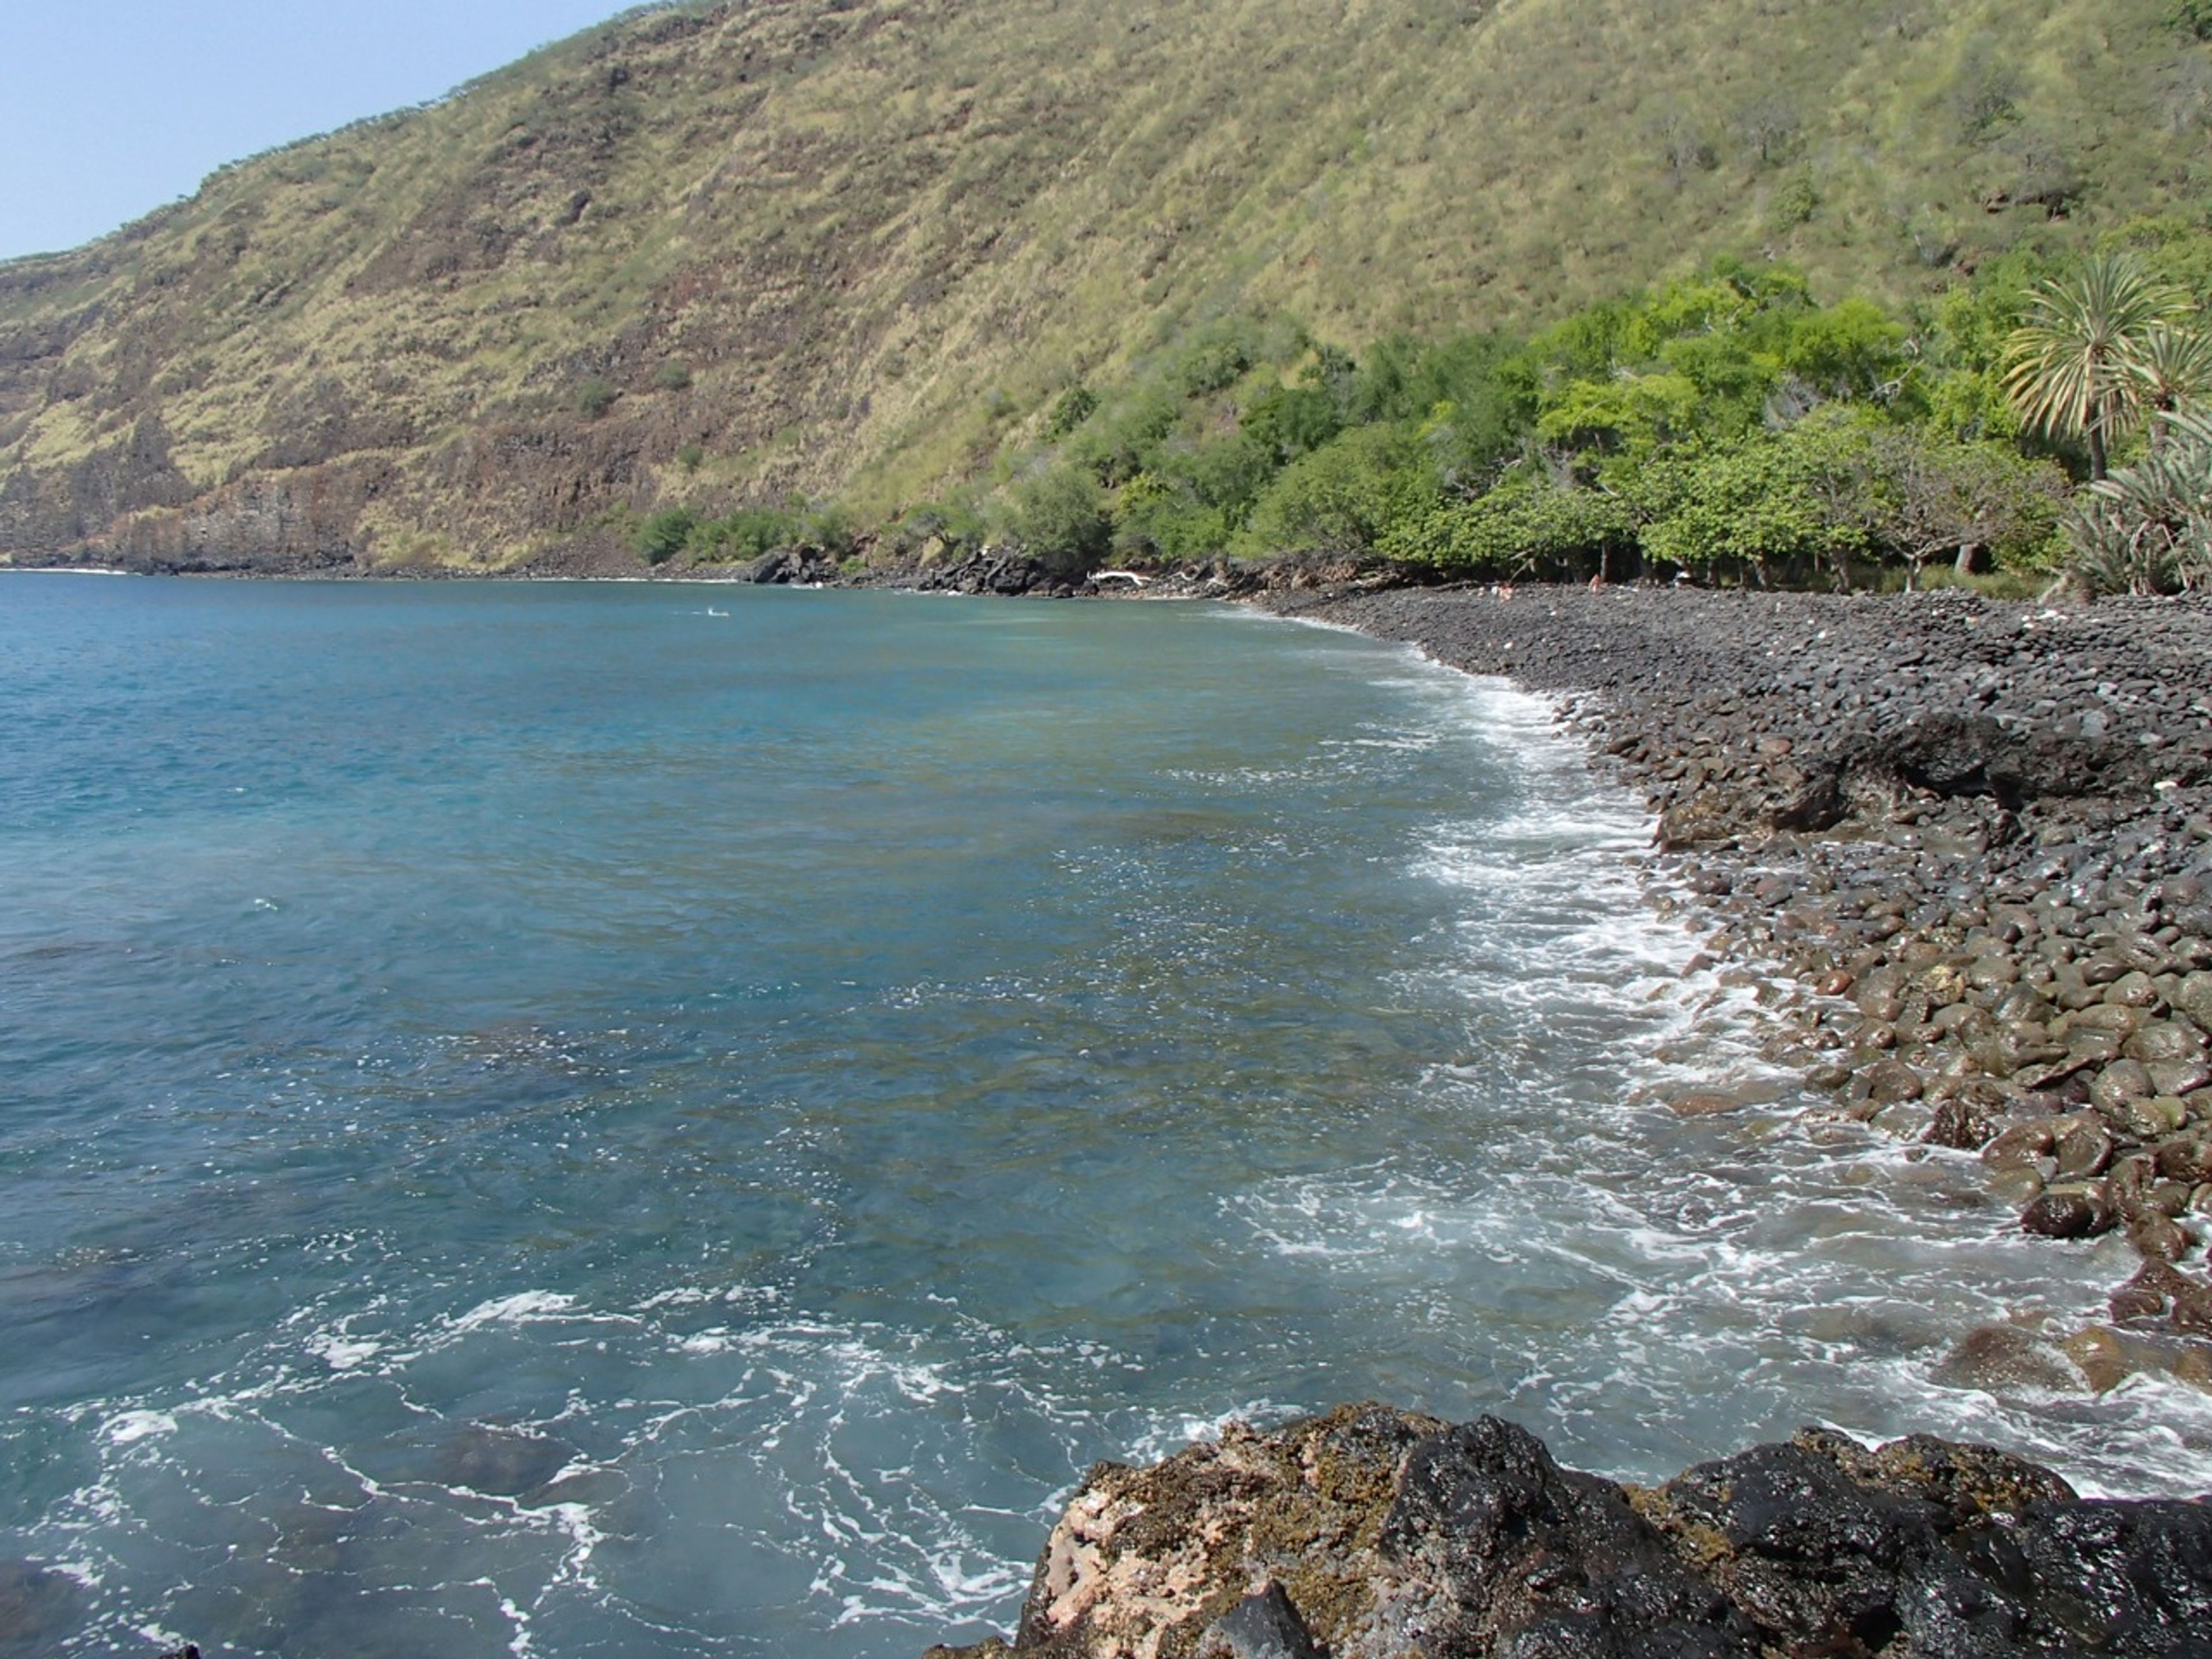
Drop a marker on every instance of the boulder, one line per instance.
(2162, 1293)
(1264, 1625)
(2074, 1211)
(1375, 1533)
(2004, 1358)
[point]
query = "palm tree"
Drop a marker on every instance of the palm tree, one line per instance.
(2174, 367)
(2076, 364)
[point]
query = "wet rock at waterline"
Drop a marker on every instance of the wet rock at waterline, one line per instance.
(1968, 843)
(38, 1605)
(1378, 1534)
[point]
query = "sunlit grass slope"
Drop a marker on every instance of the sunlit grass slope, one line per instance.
(854, 246)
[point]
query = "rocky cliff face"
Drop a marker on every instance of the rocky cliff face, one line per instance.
(1378, 1534)
(724, 252)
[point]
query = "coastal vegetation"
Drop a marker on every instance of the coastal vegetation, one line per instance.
(1729, 426)
(931, 262)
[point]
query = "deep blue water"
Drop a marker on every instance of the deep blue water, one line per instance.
(548, 1120)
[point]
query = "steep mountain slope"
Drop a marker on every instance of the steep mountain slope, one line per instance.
(745, 249)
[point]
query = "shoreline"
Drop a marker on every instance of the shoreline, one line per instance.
(1965, 846)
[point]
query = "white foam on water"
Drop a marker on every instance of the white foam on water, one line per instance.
(340, 1354)
(1657, 1291)
(523, 1307)
(127, 1428)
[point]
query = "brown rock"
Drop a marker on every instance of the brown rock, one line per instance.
(2165, 1039)
(2152, 1116)
(1704, 1105)
(1879, 1002)
(2083, 1151)
(2179, 1077)
(2121, 1081)
(2186, 1158)
(2022, 1143)
(2194, 998)
(1999, 1359)
(2133, 989)
(2100, 1356)
(2093, 1043)
(2161, 1292)
(1962, 1123)
(2070, 1211)
(1889, 1081)
(2115, 1017)
(2157, 1238)
(1994, 972)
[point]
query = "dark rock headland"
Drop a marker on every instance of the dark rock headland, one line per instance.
(1376, 1534)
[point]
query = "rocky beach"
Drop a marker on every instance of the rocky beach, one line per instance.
(1961, 851)
(1966, 848)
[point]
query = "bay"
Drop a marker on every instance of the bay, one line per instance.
(642, 1119)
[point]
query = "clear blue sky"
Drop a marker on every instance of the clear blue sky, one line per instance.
(109, 108)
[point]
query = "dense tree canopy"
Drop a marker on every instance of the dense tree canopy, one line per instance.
(1733, 426)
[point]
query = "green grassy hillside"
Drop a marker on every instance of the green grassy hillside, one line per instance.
(733, 252)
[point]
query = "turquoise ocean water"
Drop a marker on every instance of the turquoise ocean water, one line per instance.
(642, 1120)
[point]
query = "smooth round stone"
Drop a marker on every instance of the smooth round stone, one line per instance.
(2019, 1145)
(1999, 1359)
(2094, 1045)
(2115, 1017)
(2181, 1078)
(2159, 1239)
(2122, 1081)
(1889, 1081)
(2083, 1152)
(1992, 972)
(2154, 1115)
(2133, 989)
(2186, 1158)
(2166, 1039)
(2074, 1211)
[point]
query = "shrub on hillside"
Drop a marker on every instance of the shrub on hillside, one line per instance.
(1342, 498)
(2147, 528)
(667, 533)
(1058, 519)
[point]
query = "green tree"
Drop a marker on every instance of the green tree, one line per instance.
(1531, 526)
(1342, 498)
(1074, 405)
(2074, 367)
(2174, 367)
(1799, 498)
(1058, 517)
(1934, 497)
(667, 533)
(595, 396)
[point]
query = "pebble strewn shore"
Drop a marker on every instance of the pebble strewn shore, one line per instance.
(1969, 845)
